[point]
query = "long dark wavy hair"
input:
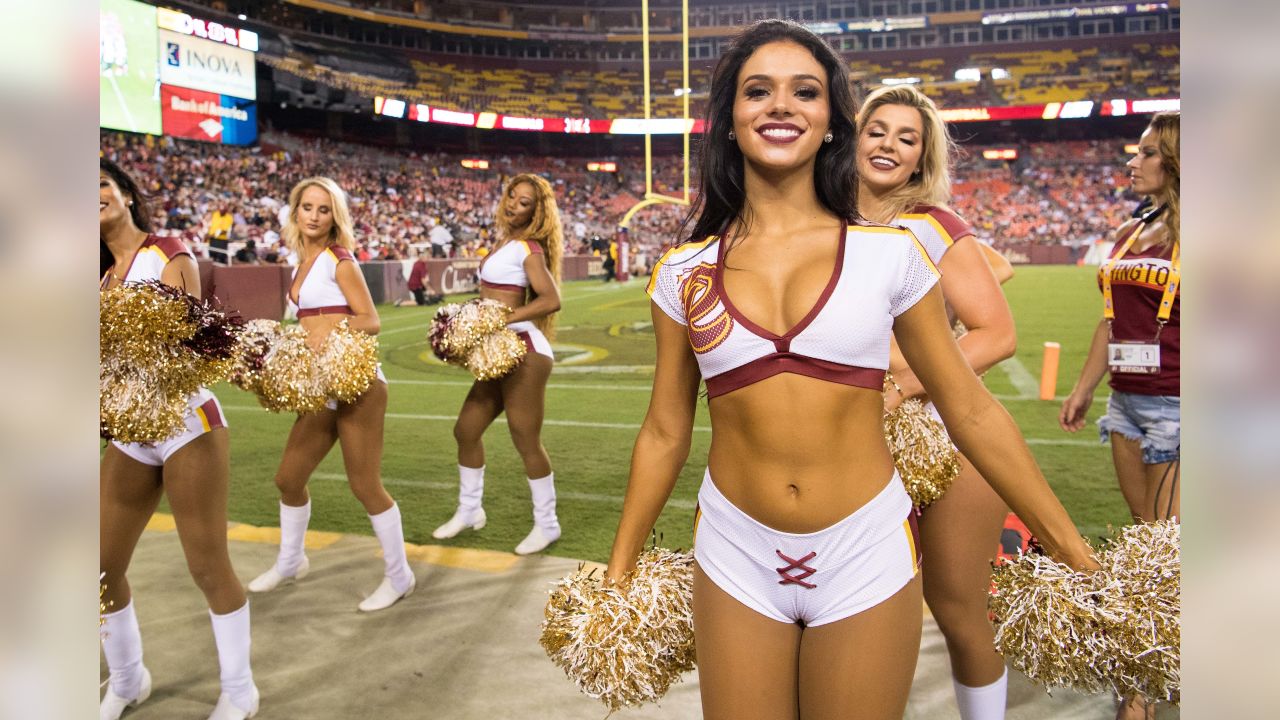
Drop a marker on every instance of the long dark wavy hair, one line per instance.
(138, 210)
(722, 197)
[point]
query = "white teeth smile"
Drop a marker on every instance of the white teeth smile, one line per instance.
(883, 163)
(780, 133)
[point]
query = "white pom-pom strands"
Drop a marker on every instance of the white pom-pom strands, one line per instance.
(1118, 629)
(624, 644)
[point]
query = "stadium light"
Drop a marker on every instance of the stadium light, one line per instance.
(901, 81)
(1000, 154)
(1155, 106)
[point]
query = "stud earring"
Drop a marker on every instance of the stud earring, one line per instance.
(828, 137)
(733, 135)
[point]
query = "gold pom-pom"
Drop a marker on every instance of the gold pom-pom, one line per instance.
(624, 644)
(136, 405)
(474, 335)
(1117, 629)
(475, 320)
(276, 364)
(1145, 564)
(497, 354)
(135, 319)
(157, 346)
(348, 363)
(256, 341)
(922, 452)
(290, 380)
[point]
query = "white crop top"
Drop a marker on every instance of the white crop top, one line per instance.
(503, 269)
(148, 263)
(319, 293)
(879, 273)
(936, 228)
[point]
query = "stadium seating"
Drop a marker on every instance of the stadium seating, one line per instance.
(1034, 77)
(1057, 193)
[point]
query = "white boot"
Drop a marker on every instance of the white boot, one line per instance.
(398, 580)
(130, 682)
(546, 528)
(982, 703)
(469, 513)
(239, 698)
(291, 562)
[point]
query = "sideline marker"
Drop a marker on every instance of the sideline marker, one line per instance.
(1049, 371)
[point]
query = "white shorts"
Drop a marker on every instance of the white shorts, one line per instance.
(810, 578)
(203, 414)
(332, 404)
(533, 338)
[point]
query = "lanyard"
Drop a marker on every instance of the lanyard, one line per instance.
(1170, 288)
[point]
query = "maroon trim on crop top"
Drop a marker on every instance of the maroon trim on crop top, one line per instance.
(783, 360)
(500, 286)
(326, 310)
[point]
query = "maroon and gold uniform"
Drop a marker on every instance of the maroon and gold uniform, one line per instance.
(865, 558)
(320, 294)
(203, 411)
(503, 269)
(880, 272)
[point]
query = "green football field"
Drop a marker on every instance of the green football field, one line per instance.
(595, 402)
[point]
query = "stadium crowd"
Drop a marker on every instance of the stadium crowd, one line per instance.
(1060, 193)
(1063, 193)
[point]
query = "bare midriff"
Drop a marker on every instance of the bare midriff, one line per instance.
(511, 298)
(799, 454)
(327, 321)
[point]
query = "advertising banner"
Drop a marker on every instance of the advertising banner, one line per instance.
(200, 115)
(190, 62)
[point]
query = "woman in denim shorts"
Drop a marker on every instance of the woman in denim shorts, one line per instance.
(1137, 341)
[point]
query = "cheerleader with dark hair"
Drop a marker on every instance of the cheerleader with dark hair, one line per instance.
(806, 589)
(191, 470)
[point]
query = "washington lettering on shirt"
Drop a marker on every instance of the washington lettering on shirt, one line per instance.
(1146, 272)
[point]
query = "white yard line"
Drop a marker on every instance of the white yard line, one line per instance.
(1023, 381)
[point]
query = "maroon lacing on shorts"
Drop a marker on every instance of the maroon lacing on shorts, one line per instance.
(793, 564)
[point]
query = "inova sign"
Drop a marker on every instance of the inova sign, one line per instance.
(205, 65)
